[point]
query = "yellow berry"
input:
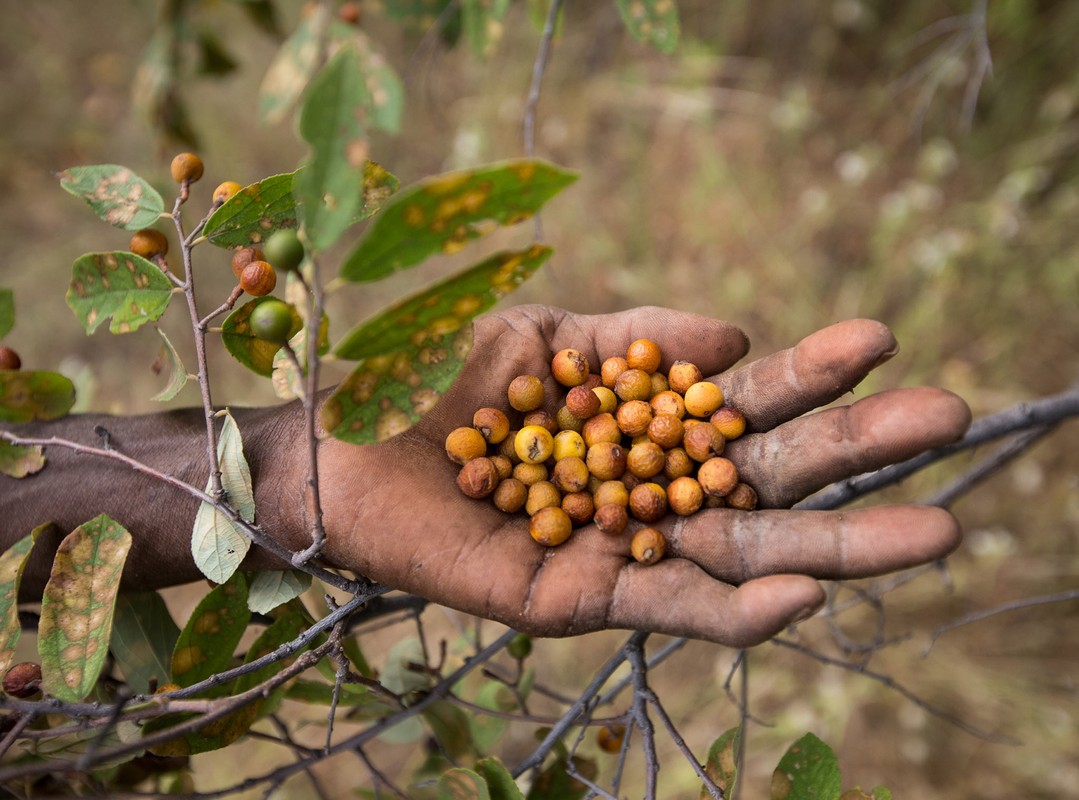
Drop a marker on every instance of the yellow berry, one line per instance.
(186, 167)
(550, 526)
(534, 444)
(648, 546)
(149, 243)
(225, 191)
(703, 398)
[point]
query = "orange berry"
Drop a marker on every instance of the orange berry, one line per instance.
(186, 167)
(149, 243)
(225, 191)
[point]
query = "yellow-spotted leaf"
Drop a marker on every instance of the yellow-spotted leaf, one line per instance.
(17, 461)
(124, 286)
(31, 395)
(654, 22)
(445, 212)
(428, 316)
(77, 607)
(722, 762)
(385, 92)
(169, 360)
(254, 353)
(12, 564)
(116, 194)
(482, 23)
(210, 637)
(808, 770)
(143, 639)
(292, 67)
(462, 784)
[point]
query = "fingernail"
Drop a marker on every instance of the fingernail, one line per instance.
(808, 612)
(887, 355)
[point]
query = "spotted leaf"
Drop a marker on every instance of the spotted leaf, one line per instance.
(385, 92)
(482, 23)
(462, 784)
(722, 762)
(12, 564)
(169, 359)
(17, 461)
(654, 22)
(808, 770)
(77, 607)
(292, 67)
(208, 640)
(116, 194)
(254, 353)
(30, 395)
(445, 212)
(443, 308)
(124, 286)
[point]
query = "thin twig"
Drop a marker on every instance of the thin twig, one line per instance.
(539, 67)
(1015, 605)
(634, 650)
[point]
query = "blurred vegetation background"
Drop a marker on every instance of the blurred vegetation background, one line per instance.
(790, 165)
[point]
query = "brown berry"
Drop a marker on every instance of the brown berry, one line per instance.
(633, 417)
(542, 418)
(643, 354)
(668, 402)
(534, 444)
(730, 422)
(702, 398)
(611, 519)
(592, 381)
(684, 496)
(570, 474)
(678, 463)
(666, 430)
(633, 384)
(659, 383)
(9, 359)
(186, 167)
(510, 496)
(542, 494)
(478, 478)
(743, 497)
(579, 507)
(703, 442)
(23, 680)
(645, 460)
(610, 738)
(464, 444)
(258, 278)
(569, 367)
(506, 448)
(648, 546)
(550, 526)
(567, 422)
(717, 476)
(610, 493)
(648, 502)
(525, 393)
(530, 473)
(682, 375)
(583, 403)
(601, 428)
(149, 243)
(606, 460)
(225, 191)
(503, 465)
(492, 424)
(242, 257)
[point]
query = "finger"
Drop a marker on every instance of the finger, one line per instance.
(736, 546)
(796, 459)
(820, 368)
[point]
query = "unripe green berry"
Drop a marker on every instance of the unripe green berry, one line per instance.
(519, 647)
(271, 321)
(284, 249)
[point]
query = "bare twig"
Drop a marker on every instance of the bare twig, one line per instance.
(1015, 605)
(539, 67)
(642, 694)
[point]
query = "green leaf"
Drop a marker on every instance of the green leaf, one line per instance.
(500, 782)
(263, 14)
(168, 358)
(7, 312)
(364, 703)
(30, 395)
(292, 67)
(443, 213)
(451, 730)
(271, 589)
(124, 286)
(17, 461)
(385, 92)
(331, 121)
(429, 315)
(12, 564)
(116, 194)
(482, 22)
(653, 22)
(77, 607)
(214, 57)
(254, 353)
(207, 641)
(462, 784)
(253, 213)
(722, 762)
(487, 729)
(555, 783)
(217, 544)
(808, 771)
(144, 636)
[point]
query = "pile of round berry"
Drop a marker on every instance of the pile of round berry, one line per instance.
(629, 441)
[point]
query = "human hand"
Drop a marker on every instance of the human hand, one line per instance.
(393, 511)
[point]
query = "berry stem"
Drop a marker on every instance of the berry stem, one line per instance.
(235, 295)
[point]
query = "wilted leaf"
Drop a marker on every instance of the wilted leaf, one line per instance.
(17, 461)
(482, 22)
(7, 312)
(254, 353)
(500, 782)
(808, 771)
(331, 122)
(124, 286)
(654, 22)
(68, 746)
(143, 639)
(116, 194)
(443, 213)
(433, 313)
(462, 784)
(270, 589)
(170, 360)
(722, 762)
(12, 564)
(253, 213)
(77, 607)
(210, 636)
(292, 67)
(30, 395)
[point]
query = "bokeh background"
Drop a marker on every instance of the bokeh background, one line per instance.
(790, 165)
